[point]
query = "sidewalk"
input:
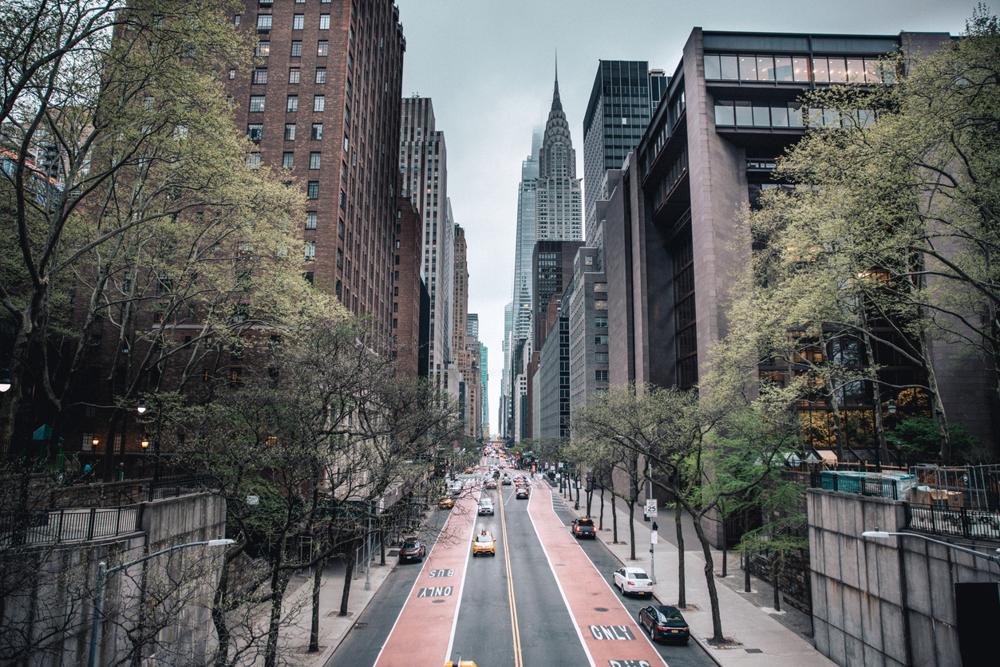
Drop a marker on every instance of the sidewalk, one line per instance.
(762, 641)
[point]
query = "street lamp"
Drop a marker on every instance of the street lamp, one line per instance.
(4, 380)
(884, 535)
(141, 406)
(144, 443)
(103, 572)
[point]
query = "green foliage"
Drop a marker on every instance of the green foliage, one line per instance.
(919, 439)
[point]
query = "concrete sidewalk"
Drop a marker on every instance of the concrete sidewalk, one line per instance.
(761, 640)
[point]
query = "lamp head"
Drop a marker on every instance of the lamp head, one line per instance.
(141, 406)
(4, 380)
(876, 534)
(222, 542)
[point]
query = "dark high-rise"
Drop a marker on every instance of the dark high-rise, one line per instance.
(622, 100)
(321, 103)
(551, 271)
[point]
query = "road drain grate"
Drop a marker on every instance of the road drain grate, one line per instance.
(360, 626)
(753, 650)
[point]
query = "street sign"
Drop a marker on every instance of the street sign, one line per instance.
(654, 537)
(253, 500)
(651, 508)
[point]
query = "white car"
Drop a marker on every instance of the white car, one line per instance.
(485, 506)
(634, 581)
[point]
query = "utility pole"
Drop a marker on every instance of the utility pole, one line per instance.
(653, 538)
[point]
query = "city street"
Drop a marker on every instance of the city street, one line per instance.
(542, 600)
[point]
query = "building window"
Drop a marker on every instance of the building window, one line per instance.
(724, 114)
(713, 70)
(255, 131)
(232, 73)
(264, 22)
(783, 69)
(288, 160)
(294, 75)
(314, 160)
(821, 71)
(298, 21)
(253, 161)
(292, 104)
(260, 76)
(312, 190)
(317, 131)
(319, 102)
(748, 68)
(343, 199)
(289, 131)
(263, 49)
(730, 68)
(601, 322)
(324, 21)
(310, 251)
(237, 19)
(256, 103)
(601, 339)
(309, 277)
(322, 47)
(347, 144)
(600, 305)
(320, 75)
(601, 375)
(311, 220)
(296, 48)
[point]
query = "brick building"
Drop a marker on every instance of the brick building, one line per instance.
(409, 342)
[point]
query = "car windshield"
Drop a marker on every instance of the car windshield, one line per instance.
(410, 545)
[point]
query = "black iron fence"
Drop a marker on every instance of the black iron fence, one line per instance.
(69, 525)
(954, 521)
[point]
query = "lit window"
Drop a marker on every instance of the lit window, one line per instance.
(232, 73)
(311, 220)
(319, 102)
(314, 160)
(312, 190)
(263, 49)
(292, 104)
(322, 47)
(263, 22)
(320, 75)
(288, 160)
(296, 48)
(298, 21)
(289, 131)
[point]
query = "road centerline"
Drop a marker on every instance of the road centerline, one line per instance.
(511, 599)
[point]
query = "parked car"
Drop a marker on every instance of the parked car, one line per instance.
(664, 623)
(633, 580)
(445, 503)
(484, 544)
(412, 550)
(583, 528)
(485, 506)
(522, 493)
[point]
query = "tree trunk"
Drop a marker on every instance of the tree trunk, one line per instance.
(600, 525)
(348, 573)
(278, 584)
(314, 622)
(775, 577)
(681, 582)
(713, 593)
(219, 605)
(883, 446)
(631, 528)
(614, 520)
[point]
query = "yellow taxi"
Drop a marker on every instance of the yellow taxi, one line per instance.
(445, 503)
(483, 544)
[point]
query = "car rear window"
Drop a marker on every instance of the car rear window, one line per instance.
(585, 523)
(638, 575)
(484, 538)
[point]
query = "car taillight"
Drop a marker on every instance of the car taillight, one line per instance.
(630, 582)
(662, 628)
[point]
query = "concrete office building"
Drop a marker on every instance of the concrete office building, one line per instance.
(587, 299)
(622, 100)
(423, 163)
(553, 381)
(465, 358)
(524, 239)
(321, 103)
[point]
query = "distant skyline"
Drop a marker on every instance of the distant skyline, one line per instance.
(488, 65)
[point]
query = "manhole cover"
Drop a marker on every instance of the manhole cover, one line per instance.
(600, 608)
(360, 626)
(753, 650)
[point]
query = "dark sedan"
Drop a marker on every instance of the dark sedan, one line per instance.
(412, 550)
(583, 528)
(664, 623)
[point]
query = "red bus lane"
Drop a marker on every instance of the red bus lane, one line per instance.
(610, 636)
(424, 630)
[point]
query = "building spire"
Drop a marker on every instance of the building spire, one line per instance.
(556, 102)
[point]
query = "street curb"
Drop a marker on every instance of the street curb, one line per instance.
(697, 640)
(326, 655)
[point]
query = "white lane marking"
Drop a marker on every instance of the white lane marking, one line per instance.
(615, 593)
(562, 593)
(458, 607)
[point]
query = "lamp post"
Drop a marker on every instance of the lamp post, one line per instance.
(884, 534)
(4, 380)
(103, 572)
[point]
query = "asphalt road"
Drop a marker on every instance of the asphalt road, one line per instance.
(485, 627)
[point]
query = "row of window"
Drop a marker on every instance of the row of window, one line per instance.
(255, 132)
(291, 103)
(799, 69)
(263, 49)
(743, 113)
(265, 21)
(259, 77)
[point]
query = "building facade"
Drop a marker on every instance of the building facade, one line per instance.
(622, 100)
(587, 297)
(321, 104)
(409, 342)
(423, 163)
(553, 382)
(551, 271)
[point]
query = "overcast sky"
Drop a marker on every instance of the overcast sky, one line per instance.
(488, 64)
